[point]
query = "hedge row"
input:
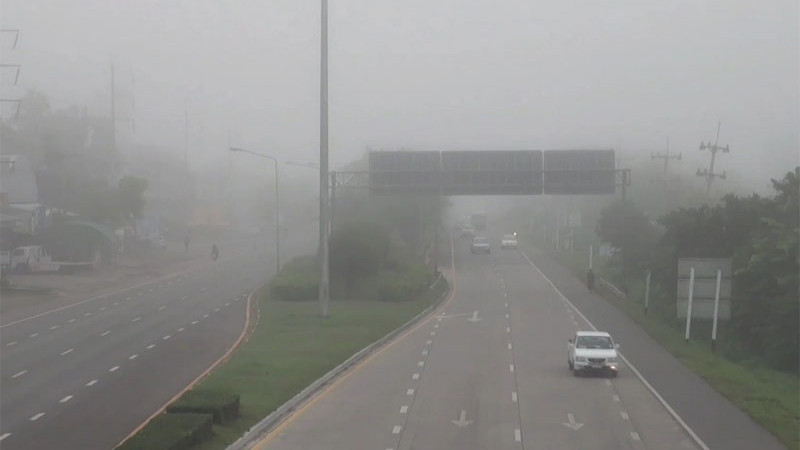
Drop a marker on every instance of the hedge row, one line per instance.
(405, 284)
(171, 432)
(222, 406)
(297, 281)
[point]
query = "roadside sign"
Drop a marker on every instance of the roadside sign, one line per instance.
(491, 172)
(705, 279)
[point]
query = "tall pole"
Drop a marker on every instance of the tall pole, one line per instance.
(277, 220)
(324, 294)
(113, 110)
(689, 305)
(185, 134)
(716, 313)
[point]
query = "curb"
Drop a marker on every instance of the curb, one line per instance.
(244, 336)
(257, 431)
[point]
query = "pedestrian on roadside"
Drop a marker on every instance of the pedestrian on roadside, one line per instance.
(590, 280)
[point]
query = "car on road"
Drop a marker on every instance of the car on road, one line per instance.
(480, 244)
(592, 351)
(509, 241)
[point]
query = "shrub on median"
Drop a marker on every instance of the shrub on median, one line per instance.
(171, 432)
(222, 406)
(297, 281)
(404, 284)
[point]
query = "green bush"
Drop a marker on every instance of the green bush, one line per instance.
(222, 406)
(171, 432)
(297, 281)
(405, 284)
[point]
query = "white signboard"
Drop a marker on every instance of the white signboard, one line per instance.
(705, 285)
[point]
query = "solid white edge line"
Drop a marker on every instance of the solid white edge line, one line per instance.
(636, 372)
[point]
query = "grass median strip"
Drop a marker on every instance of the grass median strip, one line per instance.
(768, 396)
(292, 346)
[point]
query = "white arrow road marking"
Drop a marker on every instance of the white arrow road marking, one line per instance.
(474, 317)
(462, 420)
(574, 426)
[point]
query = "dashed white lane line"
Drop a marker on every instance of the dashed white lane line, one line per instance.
(433, 333)
(161, 308)
(403, 409)
(216, 309)
(184, 297)
(415, 376)
(510, 367)
(180, 329)
(624, 415)
(517, 435)
(428, 342)
(85, 314)
(396, 429)
(67, 352)
(102, 308)
(65, 399)
(506, 305)
(91, 383)
(150, 290)
(508, 329)
(436, 326)
(205, 316)
(4, 435)
(166, 337)
(33, 335)
(150, 346)
(203, 289)
(71, 321)
(507, 316)
(510, 346)
(420, 363)
(36, 417)
(113, 369)
(11, 343)
(194, 322)
(615, 397)
(105, 333)
(410, 391)
(635, 436)
(133, 356)
(116, 304)
(54, 327)
(514, 397)
(19, 374)
(140, 294)
(228, 304)
(425, 352)
(127, 298)
(136, 319)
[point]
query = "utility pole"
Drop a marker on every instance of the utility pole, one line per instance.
(113, 110)
(186, 134)
(709, 174)
(324, 279)
(667, 158)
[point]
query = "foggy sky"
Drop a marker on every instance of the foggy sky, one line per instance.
(431, 74)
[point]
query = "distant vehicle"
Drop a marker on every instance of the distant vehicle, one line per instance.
(467, 231)
(592, 351)
(34, 258)
(5, 260)
(509, 241)
(480, 244)
(479, 220)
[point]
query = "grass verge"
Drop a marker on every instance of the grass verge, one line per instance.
(292, 346)
(769, 396)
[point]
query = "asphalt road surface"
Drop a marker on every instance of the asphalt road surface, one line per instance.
(85, 376)
(488, 371)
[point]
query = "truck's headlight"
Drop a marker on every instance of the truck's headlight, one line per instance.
(580, 359)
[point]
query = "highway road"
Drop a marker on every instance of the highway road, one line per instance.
(487, 371)
(84, 376)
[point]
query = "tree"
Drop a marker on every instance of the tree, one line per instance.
(129, 197)
(626, 227)
(358, 251)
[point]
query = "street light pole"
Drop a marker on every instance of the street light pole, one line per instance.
(277, 205)
(324, 294)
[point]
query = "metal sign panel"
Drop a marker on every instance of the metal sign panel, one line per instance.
(491, 172)
(402, 172)
(705, 285)
(578, 172)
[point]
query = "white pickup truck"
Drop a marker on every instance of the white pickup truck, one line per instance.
(592, 351)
